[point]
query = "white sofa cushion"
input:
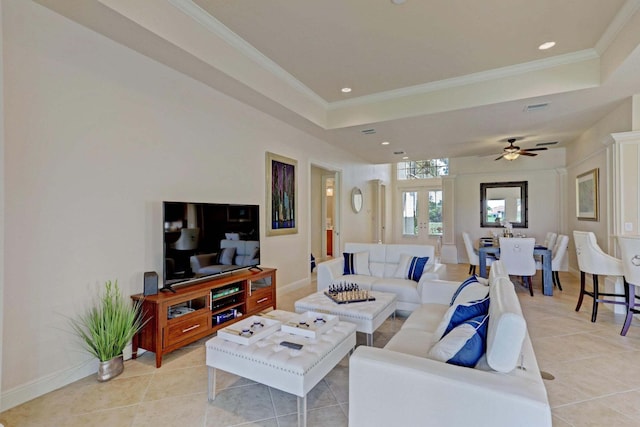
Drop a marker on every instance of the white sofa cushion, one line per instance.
(507, 328)
(406, 290)
(464, 345)
(411, 341)
(356, 263)
(427, 317)
(363, 282)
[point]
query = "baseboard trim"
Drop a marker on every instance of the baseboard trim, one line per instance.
(292, 286)
(46, 384)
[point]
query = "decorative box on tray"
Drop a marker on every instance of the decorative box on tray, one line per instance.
(310, 324)
(250, 330)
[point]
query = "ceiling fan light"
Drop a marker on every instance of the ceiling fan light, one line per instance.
(511, 156)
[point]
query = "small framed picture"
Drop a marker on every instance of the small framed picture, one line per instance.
(282, 210)
(587, 196)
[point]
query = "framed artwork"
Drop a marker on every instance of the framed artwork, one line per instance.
(587, 196)
(282, 193)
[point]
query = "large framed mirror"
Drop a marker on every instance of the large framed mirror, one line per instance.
(504, 201)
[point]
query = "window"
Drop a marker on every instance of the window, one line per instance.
(435, 212)
(410, 213)
(423, 169)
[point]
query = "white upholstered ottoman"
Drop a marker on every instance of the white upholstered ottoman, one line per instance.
(366, 315)
(269, 363)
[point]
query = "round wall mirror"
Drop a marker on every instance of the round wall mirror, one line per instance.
(356, 199)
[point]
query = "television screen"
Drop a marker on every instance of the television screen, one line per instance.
(206, 239)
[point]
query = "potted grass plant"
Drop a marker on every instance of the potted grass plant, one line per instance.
(107, 328)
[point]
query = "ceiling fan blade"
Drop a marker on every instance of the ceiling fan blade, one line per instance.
(535, 149)
(501, 156)
(524, 153)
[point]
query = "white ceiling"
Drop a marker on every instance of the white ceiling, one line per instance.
(434, 78)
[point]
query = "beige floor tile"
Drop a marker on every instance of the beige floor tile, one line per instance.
(178, 382)
(593, 413)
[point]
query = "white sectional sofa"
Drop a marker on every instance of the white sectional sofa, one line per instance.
(383, 261)
(402, 385)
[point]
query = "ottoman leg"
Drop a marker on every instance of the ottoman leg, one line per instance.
(302, 411)
(211, 384)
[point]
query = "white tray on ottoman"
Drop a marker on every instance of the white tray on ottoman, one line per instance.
(248, 331)
(310, 324)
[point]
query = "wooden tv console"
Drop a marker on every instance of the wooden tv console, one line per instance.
(196, 311)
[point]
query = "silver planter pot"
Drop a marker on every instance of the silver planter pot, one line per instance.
(110, 368)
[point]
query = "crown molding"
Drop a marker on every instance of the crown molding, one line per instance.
(191, 9)
(483, 76)
(621, 19)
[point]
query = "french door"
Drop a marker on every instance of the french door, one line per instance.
(421, 216)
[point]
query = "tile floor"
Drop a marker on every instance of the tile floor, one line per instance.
(597, 378)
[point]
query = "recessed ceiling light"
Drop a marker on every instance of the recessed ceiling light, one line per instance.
(546, 45)
(346, 89)
(405, 158)
(398, 1)
(385, 142)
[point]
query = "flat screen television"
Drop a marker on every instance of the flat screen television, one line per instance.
(208, 239)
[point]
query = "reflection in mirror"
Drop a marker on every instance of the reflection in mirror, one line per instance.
(356, 199)
(504, 201)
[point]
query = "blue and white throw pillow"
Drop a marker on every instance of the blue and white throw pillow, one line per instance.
(460, 313)
(411, 267)
(464, 345)
(356, 263)
(469, 290)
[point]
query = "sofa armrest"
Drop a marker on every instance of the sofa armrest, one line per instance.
(328, 271)
(419, 391)
(436, 291)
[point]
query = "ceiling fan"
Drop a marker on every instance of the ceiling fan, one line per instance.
(512, 152)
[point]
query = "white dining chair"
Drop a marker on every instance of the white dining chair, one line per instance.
(594, 261)
(472, 253)
(630, 256)
(550, 240)
(559, 259)
(516, 254)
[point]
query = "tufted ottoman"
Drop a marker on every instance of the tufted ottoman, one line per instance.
(367, 315)
(269, 363)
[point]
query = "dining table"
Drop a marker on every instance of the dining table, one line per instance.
(545, 253)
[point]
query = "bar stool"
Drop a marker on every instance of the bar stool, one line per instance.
(630, 254)
(593, 260)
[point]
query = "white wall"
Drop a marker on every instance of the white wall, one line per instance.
(544, 175)
(96, 137)
(588, 152)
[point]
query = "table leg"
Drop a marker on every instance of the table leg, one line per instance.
(369, 340)
(302, 411)
(211, 384)
(547, 281)
(482, 256)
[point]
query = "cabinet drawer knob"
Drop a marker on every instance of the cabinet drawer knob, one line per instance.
(191, 328)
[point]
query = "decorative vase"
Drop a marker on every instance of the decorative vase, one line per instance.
(110, 369)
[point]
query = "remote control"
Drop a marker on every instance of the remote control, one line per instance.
(292, 345)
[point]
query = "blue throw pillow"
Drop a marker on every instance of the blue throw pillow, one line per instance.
(460, 313)
(464, 345)
(356, 263)
(411, 267)
(470, 280)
